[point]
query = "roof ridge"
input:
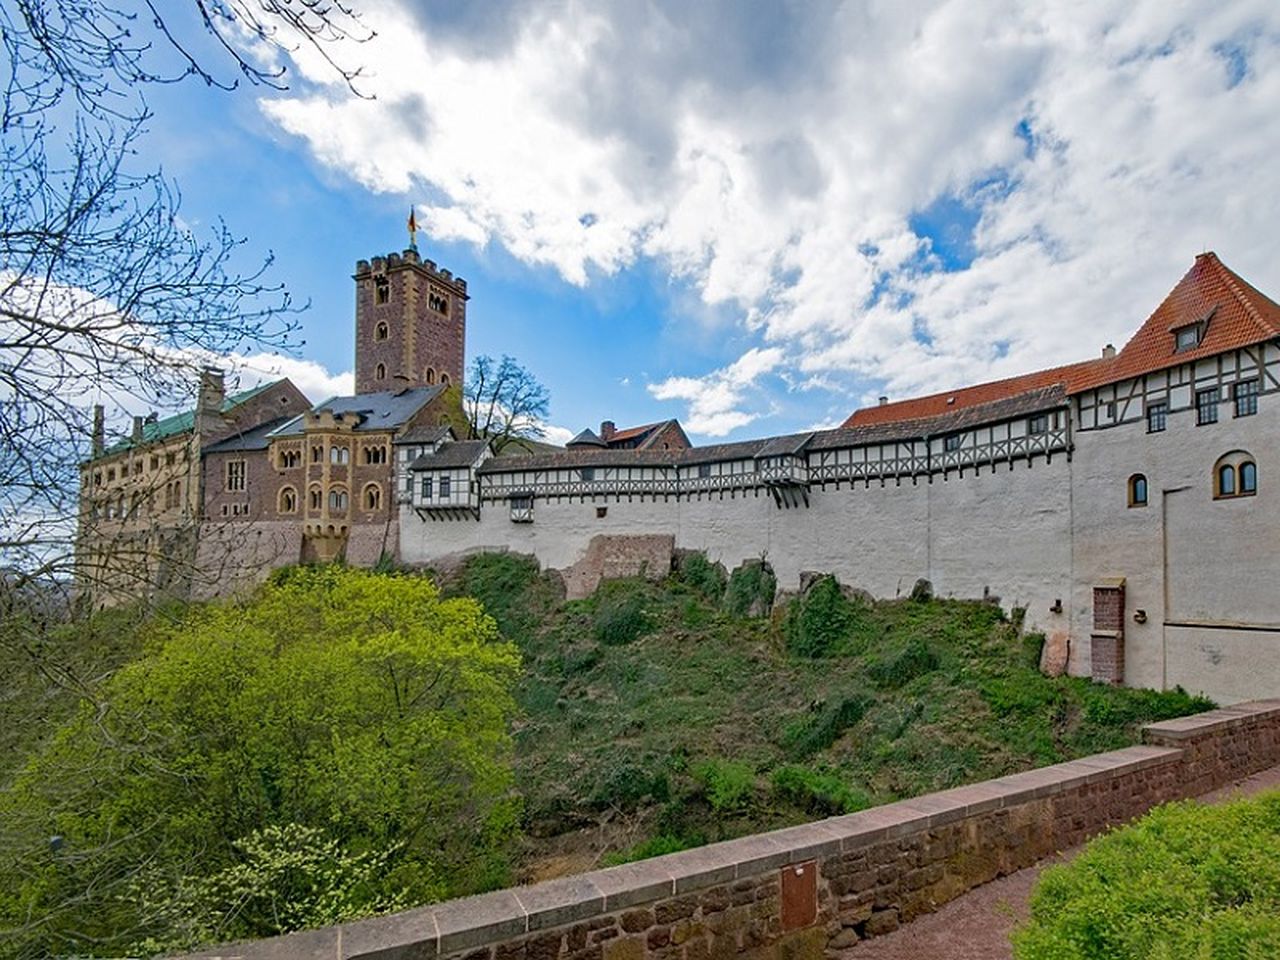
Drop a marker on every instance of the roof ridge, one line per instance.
(1229, 278)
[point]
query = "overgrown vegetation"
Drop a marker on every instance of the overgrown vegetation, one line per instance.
(349, 742)
(1186, 881)
(336, 746)
(658, 716)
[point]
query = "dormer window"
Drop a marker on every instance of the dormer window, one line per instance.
(1191, 335)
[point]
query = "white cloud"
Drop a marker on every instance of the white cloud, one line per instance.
(557, 435)
(776, 162)
(313, 379)
(715, 399)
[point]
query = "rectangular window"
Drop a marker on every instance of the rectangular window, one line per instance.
(1157, 417)
(522, 509)
(1187, 338)
(588, 473)
(1038, 424)
(1245, 394)
(445, 484)
(704, 469)
(426, 488)
(235, 475)
(1207, 406)
(951, 443)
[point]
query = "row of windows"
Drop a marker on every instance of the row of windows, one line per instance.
(428, 485)
(380, 373)
(1234, 475)
(118, 508)
(370, 498)
(382, 294)
(170, 459)
(1244, 399)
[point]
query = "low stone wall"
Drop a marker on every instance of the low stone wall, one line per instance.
(791, 894)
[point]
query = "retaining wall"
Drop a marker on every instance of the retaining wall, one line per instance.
(791, 894)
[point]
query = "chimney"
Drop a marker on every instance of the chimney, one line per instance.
(884, 401)
(137, 431)
(99, 430)
(607, 430)
(1109, 352)
(213, 390)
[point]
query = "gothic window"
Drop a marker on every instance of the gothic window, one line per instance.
(339, 455)
(444, 379)
(338, 500)
(375, 455)
(383, 292)
(380, 372)
(235, 475)
(315, 497)
(288, 500)
(1235, 475)
(1207, 406)
(430, 375)
(1157, 417)
(317, 454)
(373, 497)
(1245, 395)
(290, 458)
(381, 331)
(1138, 490)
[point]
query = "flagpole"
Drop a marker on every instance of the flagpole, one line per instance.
(413, 231)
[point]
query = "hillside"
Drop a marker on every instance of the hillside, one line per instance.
(658, 716)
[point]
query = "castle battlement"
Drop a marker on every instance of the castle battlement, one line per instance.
(380, 265)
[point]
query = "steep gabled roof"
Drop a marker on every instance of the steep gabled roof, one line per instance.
(384, 410)
(1233, 312)
(459, 453)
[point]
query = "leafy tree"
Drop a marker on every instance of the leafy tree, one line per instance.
(504, 403)
(360, 709)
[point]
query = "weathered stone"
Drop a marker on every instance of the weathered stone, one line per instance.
(713, 901)
(882, 922)
(846, 938)
(634, 921)
(659, 937)
(1055, 653)
(669, 911)
(624, 948)
(544, 946)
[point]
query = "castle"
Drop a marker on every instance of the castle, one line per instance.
(1125, 503)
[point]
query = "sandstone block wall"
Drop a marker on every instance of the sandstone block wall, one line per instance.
(790, 894)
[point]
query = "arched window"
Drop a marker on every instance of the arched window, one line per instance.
(315, 497)
(1138, 490)
(288, 500)
(1235, 475)
(380, 372)
(444, 379)
(373, 497)
(339, 455)
(431, 375)
(338, 501)
(381, 331)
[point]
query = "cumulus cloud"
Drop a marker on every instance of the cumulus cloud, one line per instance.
(315, 381)
(715, 399)
(1081, 155)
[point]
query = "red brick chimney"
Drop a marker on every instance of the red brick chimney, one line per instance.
(607, 430)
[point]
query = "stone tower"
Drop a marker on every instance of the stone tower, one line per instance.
(411, 323)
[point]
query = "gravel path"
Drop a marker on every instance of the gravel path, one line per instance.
(976, 926)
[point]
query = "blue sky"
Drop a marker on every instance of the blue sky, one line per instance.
(756, 223)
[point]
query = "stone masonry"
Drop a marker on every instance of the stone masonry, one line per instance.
(793, 893)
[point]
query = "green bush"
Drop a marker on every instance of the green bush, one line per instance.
(820, 623)
(821, 728)
(654, 847)
(1186, 881)
(751, 590)
(620, 616)
(914, 660)
(628, 786)
(502, 583)
(1024, 694)
(729, 785)
(819, 792)
(699, 573)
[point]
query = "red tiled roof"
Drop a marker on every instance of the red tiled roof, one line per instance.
(630, 432)
(1238, 316)
(948, 401)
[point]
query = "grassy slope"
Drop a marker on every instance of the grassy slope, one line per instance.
(705, 727)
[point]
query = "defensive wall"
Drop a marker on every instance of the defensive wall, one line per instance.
(791, 894)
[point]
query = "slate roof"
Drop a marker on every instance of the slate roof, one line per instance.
(460, 453)
(1238, 315)
(259, 438)
(423, 434)
(185, 422)
(586, 438)
(385, 410)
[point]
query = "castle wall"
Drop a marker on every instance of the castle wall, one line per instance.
(1003, 531)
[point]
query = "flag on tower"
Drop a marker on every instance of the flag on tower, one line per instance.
(413, 230)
